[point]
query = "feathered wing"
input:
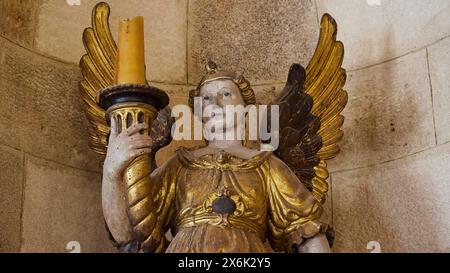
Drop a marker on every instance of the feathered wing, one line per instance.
(97, 68)
(310, 112)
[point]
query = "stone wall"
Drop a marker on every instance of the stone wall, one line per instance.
(390, 183)
(50, 183)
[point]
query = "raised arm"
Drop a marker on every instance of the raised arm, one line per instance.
(138, 206)
(123, 148)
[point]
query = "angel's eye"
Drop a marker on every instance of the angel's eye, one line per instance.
(227, 94)
(206, 97)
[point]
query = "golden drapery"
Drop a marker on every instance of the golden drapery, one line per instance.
(270, 203)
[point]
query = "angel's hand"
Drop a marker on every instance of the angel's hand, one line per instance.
(123, 148)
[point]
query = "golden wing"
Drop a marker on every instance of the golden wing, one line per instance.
(325, 79)
(310, 112)
(97, 67)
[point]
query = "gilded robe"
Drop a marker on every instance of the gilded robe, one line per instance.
(269, 203)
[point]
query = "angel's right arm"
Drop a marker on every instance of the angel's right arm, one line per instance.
(135, 207)
(139, 216)
(115, 210)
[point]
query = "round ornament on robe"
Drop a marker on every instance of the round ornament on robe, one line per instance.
(223, 205)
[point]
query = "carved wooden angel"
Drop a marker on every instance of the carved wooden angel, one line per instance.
(222, 197)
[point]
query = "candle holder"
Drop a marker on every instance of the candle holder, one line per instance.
(132, 104)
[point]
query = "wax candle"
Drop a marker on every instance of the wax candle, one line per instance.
(130, 62)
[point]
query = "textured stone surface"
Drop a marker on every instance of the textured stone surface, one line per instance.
(266, 93)
(402, 204)
(42, 110)
(178, 94)
(373, 34)
(61, 205)
(2, 49)
(259, 38)
(439, 60)
(389, 113)
(11, 162)
(351, 213)
(61, 26)
(18, 20)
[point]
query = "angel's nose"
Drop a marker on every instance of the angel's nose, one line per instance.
(215, 100)
(218, 101)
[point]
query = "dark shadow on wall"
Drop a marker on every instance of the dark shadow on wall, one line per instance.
(389, 207)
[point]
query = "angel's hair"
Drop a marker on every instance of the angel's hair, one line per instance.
(213, 74)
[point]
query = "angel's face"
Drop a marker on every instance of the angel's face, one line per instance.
(216, 96)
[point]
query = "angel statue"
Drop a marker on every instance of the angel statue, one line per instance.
(223, 196)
